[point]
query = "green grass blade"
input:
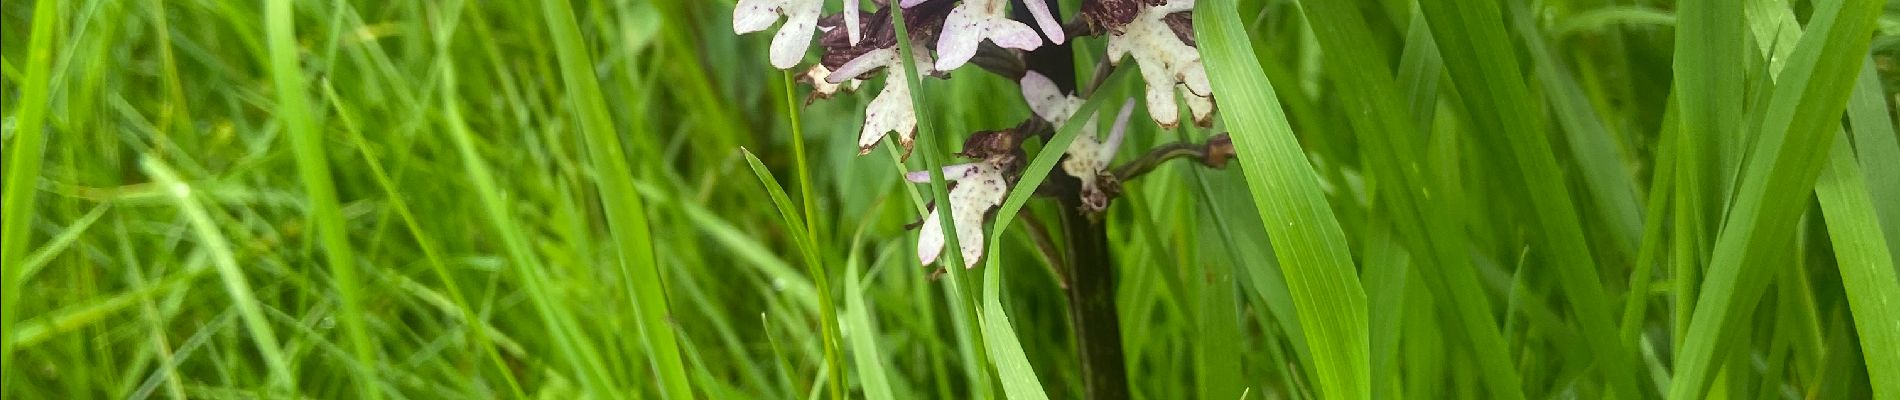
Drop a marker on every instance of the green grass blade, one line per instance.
(23, 174)
(1812, 91)
(864, 346)
(1878, 150)
(626, 213)
(1307, 239)
(1392, 140)
(1866, 266)
(959, 279)
(242, 296)
(579, 358)
(306, 139)
(1483, 68)
(789, 214)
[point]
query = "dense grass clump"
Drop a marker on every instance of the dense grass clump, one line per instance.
(624, 199)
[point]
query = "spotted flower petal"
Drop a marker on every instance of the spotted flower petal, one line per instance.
(972, 22)
(1088, 160)
(891, 110)
(789, 44)
(1047, 100)
(1168, 61)
(980, 187)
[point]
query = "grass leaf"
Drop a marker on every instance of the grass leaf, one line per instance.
(1306, 238)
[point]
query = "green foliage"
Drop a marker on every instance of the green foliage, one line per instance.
(583, 199)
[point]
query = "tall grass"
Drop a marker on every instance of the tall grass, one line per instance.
(583, 199)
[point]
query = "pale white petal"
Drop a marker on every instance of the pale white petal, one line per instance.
(1161, 106)
(1045, 20)
(788, 46)
(866, 62)
(1116, 131)
(972, 22)
(908, 3)
(890, 111)
(950, 173)
(930, 239)
(754, 15)
(851, 20)
(1012, 34)
(1166, 62)
(970, 203)
(962, 31)
(1202, 108)
(1044, 97)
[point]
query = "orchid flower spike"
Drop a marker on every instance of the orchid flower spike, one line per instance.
(1161, 38)
(980, 187)
(972, 22)
(1088, 157)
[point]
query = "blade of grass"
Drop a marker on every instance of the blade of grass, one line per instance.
(1307, 239)
(313, 165)
(242, 296)
(1798, 125)
(1392, 141)
(581, 360)
(1878, 150)
(789, 214)
(1873, 291)
(820, 275)
(940, 195)
(23, 174)
(430, 251)
(626, 213)
(1483, 66)
(864, 335)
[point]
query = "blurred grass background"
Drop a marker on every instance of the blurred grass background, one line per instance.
(453, 199)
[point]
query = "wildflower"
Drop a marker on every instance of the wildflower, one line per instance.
(891, 110)
(1088, 157)
(789, 44)
(1159, 33)
(972, 22)
(978, 187)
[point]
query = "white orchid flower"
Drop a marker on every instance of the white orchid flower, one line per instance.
(891, 111)
(1167, 61)
(980, 186)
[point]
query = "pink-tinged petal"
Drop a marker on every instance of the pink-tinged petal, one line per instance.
(1116, 131)
(851, 20)
(1045, 20)
(754, 15)
(962, 31)
(1044, 97)
(950, 173)
(1012, 34)
(866, 62)
(788, 46)
(909, 3)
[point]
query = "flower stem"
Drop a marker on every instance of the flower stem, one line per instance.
(1091, 280)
